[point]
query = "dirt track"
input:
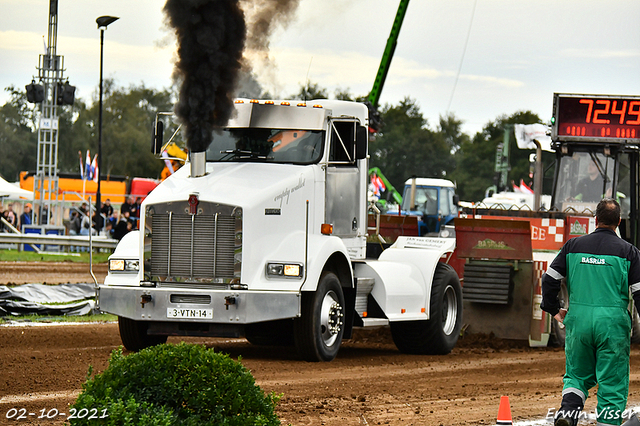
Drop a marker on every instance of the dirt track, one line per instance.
(369, 383)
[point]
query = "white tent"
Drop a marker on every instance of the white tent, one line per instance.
(14, 192)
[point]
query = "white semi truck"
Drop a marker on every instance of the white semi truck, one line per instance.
(264, 235)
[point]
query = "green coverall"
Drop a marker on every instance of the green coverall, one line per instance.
(600, 268)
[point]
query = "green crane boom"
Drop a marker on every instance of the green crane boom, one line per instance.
(385, 63)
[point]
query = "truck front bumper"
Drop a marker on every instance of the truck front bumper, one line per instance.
(198, 305)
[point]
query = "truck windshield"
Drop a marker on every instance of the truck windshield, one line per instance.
(584, 179)
(267, 145)
(426, 200)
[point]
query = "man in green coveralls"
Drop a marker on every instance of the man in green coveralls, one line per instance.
(600, 269)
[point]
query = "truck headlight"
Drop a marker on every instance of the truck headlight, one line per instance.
(284, 270)
(124, 265)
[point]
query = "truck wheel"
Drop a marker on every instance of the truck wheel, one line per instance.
(558, 332)
(318, 332)
(134, 335)
(270, 333)
(439, 334)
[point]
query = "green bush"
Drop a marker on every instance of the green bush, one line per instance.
(180, 384)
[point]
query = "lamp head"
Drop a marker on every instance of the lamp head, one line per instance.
(104, 21)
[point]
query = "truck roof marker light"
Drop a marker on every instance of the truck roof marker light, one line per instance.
(285, 103)
(239, 101)
(302, 104)
(269, 103)
(254, 101)
(326, 228)
(318, 106)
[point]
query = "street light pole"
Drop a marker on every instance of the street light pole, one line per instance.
(103, 22)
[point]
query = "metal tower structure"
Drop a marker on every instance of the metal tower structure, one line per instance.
(50, 74)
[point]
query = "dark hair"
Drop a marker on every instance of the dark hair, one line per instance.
(608, 212)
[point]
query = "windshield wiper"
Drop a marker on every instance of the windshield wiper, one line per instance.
(238, 153)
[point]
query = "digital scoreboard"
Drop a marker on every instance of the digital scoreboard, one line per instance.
(595, 118)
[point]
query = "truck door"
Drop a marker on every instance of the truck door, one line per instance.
(343, 195)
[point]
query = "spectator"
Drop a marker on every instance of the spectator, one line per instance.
(85, 225)
(26, 218)
(10, 216)
(124, 226)
(108, 229)
(107, 208)
(127, 206)
(97, 222)
(71, 210)
(113, 219)
(74, 223)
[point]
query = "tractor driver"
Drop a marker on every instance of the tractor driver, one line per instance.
(589, 188)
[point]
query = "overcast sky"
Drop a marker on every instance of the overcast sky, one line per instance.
(519, 52)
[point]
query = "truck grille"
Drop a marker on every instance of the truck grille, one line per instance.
(195, 248)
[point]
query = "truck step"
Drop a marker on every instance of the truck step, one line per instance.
(374, 322)
(365, 285)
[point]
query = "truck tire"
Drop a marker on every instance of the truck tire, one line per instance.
(318, 332)
(270, 333)
(134, 335)
(439, 334)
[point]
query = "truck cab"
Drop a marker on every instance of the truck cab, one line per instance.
(264, 236)
(433, 200)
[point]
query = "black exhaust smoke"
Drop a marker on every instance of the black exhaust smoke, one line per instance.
(211, 36)
(263, 17)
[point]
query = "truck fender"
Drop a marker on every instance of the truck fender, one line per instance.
(127, 248)
(404, 274)
(326, 253)
(330, 254)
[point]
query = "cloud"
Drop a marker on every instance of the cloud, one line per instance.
(356, 71)
(599, 53)
(21, 41)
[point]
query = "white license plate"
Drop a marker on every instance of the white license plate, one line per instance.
(189, 313)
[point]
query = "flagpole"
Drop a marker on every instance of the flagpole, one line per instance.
(82, 172)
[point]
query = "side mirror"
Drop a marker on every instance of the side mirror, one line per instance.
(362, 139)
(456, 200)
(156, 137)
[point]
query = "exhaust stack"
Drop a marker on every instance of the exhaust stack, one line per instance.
(198, 164)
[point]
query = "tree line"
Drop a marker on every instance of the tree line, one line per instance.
(406, 145)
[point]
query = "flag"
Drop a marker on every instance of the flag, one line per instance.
(378, 184)
(94, 167)
(524, 188)
(527, 133)
(81, 165)
(88, 172)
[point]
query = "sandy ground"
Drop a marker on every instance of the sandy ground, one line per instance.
(15, 273)
(42, 369)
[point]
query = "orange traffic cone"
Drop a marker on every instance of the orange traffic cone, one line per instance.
(504, 412)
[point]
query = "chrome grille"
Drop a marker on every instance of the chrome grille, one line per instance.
(195, 248)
